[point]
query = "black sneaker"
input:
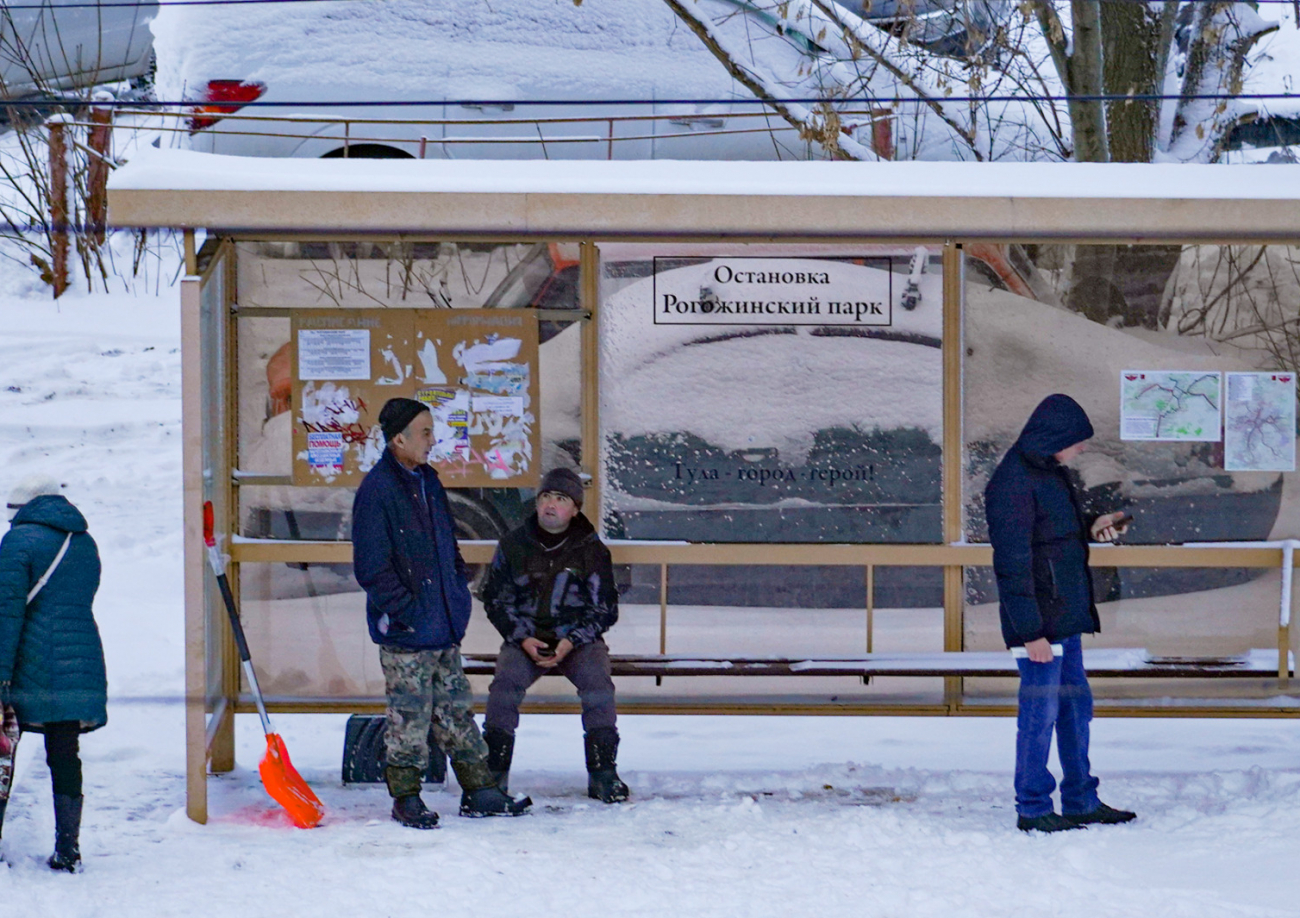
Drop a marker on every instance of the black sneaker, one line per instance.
(1102, 816)
(1048, 822)
(411, 812)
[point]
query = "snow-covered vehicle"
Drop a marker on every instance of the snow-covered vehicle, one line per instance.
(469, 67)
(65, 44)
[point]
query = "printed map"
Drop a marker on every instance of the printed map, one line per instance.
(1169, 405)
(1259, 423)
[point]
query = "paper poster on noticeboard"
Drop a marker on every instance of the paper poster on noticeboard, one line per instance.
(476, 369)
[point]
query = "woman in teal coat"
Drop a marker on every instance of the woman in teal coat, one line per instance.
(51, 659)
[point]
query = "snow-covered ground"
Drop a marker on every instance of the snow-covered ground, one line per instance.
(731, 816)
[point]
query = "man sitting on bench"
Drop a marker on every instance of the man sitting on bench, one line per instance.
(551, 594)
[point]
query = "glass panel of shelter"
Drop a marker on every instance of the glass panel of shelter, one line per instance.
(784, 394)
(1145, 338)
(281, 600)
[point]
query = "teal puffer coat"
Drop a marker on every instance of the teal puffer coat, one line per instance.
(50, 652)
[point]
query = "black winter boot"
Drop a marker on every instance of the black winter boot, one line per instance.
(1103, 815)
(411, 812)
(408, 809)
(480, 795)
(501, 751)
(1048, 822)
(603, 782)
(67, 834)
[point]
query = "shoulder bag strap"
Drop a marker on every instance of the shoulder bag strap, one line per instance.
(49, 571)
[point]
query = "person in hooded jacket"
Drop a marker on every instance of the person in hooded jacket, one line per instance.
(418, 603)
(550, 592)
(51, 658)
(1040, 558)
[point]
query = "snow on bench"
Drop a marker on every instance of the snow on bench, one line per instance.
(1101, 662)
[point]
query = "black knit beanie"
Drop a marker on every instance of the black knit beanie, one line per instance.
(563, 481)
(397, 414)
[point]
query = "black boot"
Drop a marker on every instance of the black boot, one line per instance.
(1048, 822)
(411, 812)
(1103, 815)
(408, 809)
(67, 833)
(501, 750)
(603, 782)
(480, 795)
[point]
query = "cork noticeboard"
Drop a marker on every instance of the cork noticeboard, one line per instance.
(476, 369)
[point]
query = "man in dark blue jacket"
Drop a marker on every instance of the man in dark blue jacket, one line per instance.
(1040, 558)
(418, 605)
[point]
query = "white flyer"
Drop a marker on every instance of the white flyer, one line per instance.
(509, 405)
(1259, 427)
(1177, 405)
(333, 353)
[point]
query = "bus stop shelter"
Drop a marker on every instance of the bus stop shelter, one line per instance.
(785, 385)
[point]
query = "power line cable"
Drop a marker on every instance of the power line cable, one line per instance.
(110, 4)
(520, 103)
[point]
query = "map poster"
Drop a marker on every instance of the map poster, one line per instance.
(1259, 424)
(1171, 405)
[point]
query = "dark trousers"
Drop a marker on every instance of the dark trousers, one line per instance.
(587, 667)
(62, 754)
(1054, 697)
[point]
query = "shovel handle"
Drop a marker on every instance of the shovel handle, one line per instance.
(228, 598)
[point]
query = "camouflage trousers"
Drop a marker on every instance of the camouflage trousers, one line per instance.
(428, 689)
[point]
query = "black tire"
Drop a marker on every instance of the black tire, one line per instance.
(474, 521)
(368, 151)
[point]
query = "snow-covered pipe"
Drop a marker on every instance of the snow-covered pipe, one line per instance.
(1288, 560)
(1288, 547)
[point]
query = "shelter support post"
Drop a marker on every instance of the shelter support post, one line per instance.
(663, 615)
(196, 677)
(953, 446)
(221, 752)
(588, 301)
(871, 612)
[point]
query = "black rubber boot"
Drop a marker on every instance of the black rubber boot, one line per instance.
(501, 751)
(1048, 822)
(603, 782)
(408, 809)
(480, 795)
(67, 834)
(411, 812)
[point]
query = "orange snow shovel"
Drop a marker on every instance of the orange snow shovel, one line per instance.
(279, 777)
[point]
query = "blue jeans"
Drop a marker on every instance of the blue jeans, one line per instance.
(1054, 696)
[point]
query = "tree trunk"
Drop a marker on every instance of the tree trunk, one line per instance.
(1088, 116)
(1131, 34)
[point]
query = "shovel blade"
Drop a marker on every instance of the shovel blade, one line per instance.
(287, 787)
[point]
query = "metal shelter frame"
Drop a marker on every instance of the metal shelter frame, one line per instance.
(946, 204)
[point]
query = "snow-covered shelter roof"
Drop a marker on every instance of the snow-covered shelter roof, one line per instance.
(649, 199)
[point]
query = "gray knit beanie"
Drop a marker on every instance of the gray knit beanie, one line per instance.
(563, 481)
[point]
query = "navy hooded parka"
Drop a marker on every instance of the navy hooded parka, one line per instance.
(50, 650)
(1038, 532)
(406, 559)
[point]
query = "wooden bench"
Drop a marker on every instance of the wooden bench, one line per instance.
(1101, 663)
